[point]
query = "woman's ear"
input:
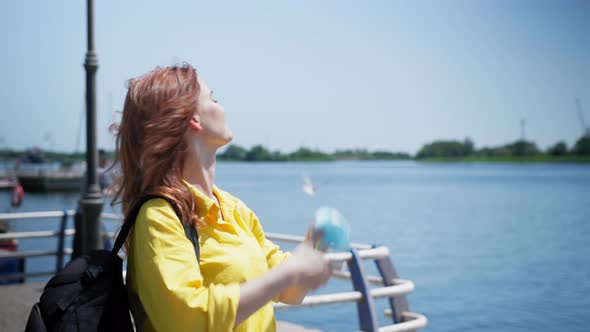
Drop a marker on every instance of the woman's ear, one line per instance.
(194, 123)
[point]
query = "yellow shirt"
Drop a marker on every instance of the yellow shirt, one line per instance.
(169, 291)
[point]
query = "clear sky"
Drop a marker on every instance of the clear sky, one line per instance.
(325, 74)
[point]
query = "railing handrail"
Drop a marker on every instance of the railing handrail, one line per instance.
(412, 322)
(35, 234)
(117, 217)
(33, 253)
(298, 239)
(111, 216)
(373, 253)
(35, 215)
(403, 288)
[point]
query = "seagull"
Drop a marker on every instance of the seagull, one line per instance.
(308, 187)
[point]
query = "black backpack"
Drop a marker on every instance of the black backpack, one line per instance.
(89, 294)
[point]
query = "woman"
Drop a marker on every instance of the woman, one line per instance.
(166, 145)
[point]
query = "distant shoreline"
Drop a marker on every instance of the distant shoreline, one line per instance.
(529, 159)
(525, 159)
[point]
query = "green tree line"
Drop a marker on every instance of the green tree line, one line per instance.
(235, 152)
(519, 149)
(442, 149)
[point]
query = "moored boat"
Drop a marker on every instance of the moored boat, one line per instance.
(49, 180)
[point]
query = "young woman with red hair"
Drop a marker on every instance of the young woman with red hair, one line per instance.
(166, 145)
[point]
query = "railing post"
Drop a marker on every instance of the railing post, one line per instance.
(59, 261)
(22, 263)
(366, 306)
(398, 305)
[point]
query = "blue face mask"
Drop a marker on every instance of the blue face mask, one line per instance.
(330, 230)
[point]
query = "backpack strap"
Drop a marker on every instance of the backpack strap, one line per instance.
(189, 230)
(191, 233)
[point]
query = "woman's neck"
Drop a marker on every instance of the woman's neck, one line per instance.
(199, 169)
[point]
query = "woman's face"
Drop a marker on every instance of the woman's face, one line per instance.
(211, 118)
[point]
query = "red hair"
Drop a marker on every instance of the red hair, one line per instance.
(150, 146)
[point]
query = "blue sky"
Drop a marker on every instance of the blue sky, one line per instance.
(325, 74)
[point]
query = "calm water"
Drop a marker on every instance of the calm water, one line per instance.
(490, 247)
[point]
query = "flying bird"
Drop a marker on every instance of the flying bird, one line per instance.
(308, 187)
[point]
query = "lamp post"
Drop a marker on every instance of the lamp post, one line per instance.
(92, 201)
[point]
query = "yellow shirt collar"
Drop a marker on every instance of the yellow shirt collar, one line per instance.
(207, 208)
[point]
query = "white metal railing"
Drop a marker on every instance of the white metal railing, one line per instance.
(297, 239)
(373, 280)
(111, 216)
(35, 234)
(410, 321)
(373, 253)
(35, 215)
(21, 255)
(404, 288)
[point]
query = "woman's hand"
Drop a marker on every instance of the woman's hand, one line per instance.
(309, 267)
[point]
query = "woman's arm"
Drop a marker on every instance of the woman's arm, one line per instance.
(305, 269)
(256, 293)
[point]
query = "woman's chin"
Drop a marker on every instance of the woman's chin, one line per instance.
(228, 137)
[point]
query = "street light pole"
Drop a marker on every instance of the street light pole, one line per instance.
(92, 201)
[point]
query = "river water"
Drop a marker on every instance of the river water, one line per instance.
(490, 247)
